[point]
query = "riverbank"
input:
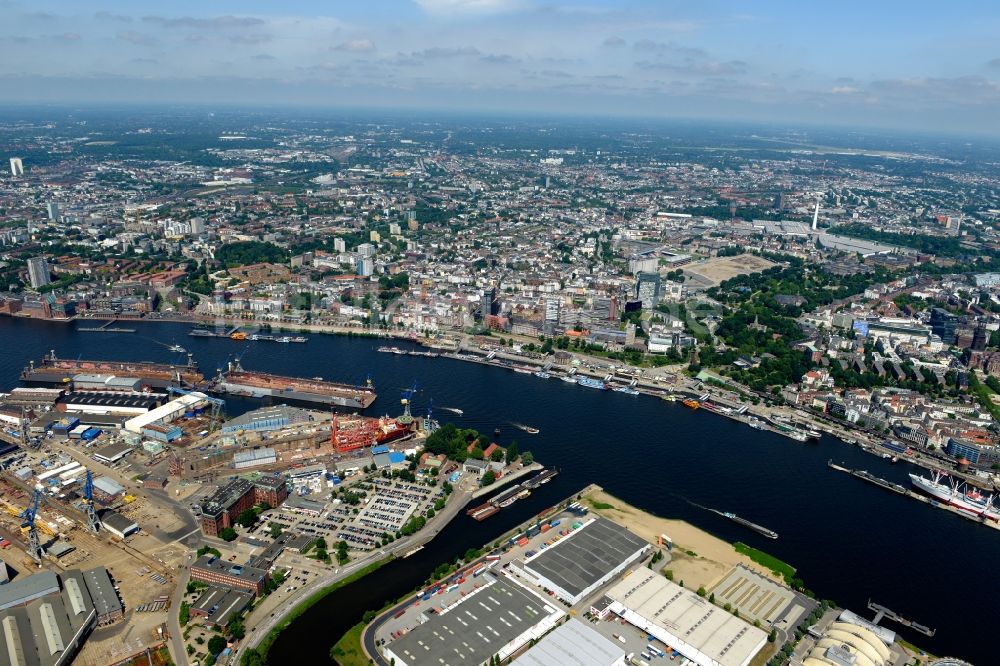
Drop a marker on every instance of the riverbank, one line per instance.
(697, 558)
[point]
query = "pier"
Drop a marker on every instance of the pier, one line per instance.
(867, 476)
(883, 612)
(106, 328)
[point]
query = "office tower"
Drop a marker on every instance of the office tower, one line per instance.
(943, 325)
(647, 290)
(53, 208)
(366, 250)
(16, 166)
(365, 267)
(197, 226)
(38, 272)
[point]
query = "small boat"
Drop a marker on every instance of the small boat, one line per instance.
(669, 398)
(541, 374)
(177, 348)
(453, 410)
(285, 339)
(569, 379)
(527, 429)
(628, 390)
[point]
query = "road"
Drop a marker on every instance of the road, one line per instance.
(176, 642)
(256, 632)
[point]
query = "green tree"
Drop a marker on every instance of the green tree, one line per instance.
(247, 518)
(184, 614)
(497, 455)
(489, 477)
(227, 534)
(216, 644)
(512, 452)
(527, 458)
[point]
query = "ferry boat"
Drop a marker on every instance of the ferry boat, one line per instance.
(569, 379)
(626, 389)
(957, 494)
(691, 402)
(201, 333)
(541, 374)
(523, 370)
(590, 382)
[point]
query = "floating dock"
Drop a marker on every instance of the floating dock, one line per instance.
(237, 381)
(511, 495)
(882, 612)
(53, 371)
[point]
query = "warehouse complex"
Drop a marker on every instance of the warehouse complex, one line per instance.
(46, 618)
(498, 618)
(573, 644)
(695, 627)
(587, 558)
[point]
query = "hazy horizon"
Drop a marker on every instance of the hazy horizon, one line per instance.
(893, 65)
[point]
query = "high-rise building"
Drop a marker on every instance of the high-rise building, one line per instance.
(16, 166)
(38, 272)
(980, 338)
(197, 226)
(365, 267)
(366, 250)
(339, 245)
(647, 290)
(943, 325)
(53, 208)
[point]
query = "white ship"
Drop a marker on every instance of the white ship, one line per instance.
(956, 494)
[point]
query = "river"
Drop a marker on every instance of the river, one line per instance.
(851, 541)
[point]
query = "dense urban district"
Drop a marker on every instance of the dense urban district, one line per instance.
(794, 281)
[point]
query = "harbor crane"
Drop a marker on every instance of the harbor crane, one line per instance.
(34, 548)
(407, 418)
(217, 405)
(93, 522)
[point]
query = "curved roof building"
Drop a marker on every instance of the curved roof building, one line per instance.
(843, 642)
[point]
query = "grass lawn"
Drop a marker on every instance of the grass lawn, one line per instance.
(600, 506)
(783, 569)
(348, 651)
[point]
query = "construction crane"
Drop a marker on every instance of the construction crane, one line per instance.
(217, 404)
(34, 549)
(93, 522)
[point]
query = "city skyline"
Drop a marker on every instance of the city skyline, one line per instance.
(906, 67)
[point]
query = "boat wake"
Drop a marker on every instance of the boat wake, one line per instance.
(526, 428)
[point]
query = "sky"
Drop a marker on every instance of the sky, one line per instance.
(919, 65)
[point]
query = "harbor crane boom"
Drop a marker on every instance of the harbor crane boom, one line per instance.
(34, 549)
(93, 522)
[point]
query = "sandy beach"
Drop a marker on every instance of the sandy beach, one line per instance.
(713, 558)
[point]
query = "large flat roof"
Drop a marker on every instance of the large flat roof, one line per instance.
(475, 629)
(586, 555)
(26, 588)
(572, 644)
(695, 627)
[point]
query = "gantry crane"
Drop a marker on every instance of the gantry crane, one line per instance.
(217, 405)
(35, 550)
(93, 522)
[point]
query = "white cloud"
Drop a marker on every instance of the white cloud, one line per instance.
(469, 6)
(356, 45)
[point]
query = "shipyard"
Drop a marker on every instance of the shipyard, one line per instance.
(237, 381)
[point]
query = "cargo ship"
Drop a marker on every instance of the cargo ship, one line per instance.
(53, 371)
(691, 402)
(590, 382)
(957, 494)
(770, 534)
(237, 381)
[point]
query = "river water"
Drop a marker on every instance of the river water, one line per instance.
(851, 541)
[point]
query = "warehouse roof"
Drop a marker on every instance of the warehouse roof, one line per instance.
(166, 411)
(695, 627)
(477, 628)
(572, 644)
(26, 588)
(586, 555)
(102, 590)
